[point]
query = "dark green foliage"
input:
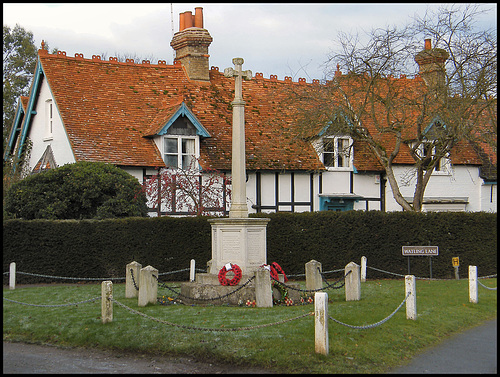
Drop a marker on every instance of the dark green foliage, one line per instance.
(102, 249)
(83, 190)
(337, 238)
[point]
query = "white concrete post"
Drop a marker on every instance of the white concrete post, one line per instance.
(321, 323)
(192, 270)
(313, 275)
(106, 303)
(12, 275)
(148, 286)
(263, 290)
(411, 301)
(473, 284)
(352, 282)
(363, 269)
(132, 277)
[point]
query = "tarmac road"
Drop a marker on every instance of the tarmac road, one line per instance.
(20, 358)
(473, 351)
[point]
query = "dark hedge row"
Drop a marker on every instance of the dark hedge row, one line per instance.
(90, 248)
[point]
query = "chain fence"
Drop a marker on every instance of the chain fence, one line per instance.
(53, 306)
(484, 286)
(220, 329)
(203, 271)
(328, 285)
(374, 324)
(422, 278)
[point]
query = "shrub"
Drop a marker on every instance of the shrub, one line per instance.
(83, 190)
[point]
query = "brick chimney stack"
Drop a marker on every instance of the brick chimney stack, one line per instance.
(191, 45)
(431, 62)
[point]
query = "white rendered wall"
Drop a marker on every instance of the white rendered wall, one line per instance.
(59, 143)
(368, 186)
(489, 197)
(462, 181)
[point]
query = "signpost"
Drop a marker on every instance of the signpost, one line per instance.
(419, 251)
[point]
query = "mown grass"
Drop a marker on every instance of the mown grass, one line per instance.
(443, 308)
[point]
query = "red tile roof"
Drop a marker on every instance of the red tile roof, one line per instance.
(110, 109)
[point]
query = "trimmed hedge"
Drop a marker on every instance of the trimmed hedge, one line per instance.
(102, 248)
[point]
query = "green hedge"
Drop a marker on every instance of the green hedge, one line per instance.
(92, 248)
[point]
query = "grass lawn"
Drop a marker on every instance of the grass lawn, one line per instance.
(443, 308)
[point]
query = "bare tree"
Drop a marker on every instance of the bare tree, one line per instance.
(408, 118)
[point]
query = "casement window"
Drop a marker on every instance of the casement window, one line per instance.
(427, 151)
(336, 152)
(49, 119)
(180, 152)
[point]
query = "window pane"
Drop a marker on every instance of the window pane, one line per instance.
(343, 152)
(328, 146)
(188, 146)
(186, 162)
(170, 145)
(328, 159)
(171, 160)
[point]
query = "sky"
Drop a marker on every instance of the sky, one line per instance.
(283, 39)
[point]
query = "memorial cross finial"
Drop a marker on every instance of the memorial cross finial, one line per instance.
(238, 74)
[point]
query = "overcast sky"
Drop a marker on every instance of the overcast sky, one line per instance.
(280, 39)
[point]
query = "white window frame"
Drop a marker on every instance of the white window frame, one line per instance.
(179, 153)
(49, 120)
(443, 167)
(319, 146)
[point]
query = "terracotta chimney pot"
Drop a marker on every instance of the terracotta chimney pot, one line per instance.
(188, 19)
(181, 22)
(198, 17)
(427, 45)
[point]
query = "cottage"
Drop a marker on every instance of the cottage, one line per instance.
(148, 117)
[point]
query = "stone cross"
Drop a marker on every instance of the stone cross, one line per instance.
(239, 207)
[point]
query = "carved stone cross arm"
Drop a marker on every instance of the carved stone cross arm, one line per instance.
(238, 62)
(238, 74)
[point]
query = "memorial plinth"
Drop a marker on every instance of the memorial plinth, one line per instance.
(240, 241)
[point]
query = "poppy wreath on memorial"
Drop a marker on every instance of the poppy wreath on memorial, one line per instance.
(278, 270)
(237, 275)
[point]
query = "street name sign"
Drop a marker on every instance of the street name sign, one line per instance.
(416, 251)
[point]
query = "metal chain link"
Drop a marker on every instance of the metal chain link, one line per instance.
(64, 277)
(484, 286)
(133, 280)
(53, 306)
(421, 278)
(488, 276)
(329, 286)
(376, 323)
(209, 329)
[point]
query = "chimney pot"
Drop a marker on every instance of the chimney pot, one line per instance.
(181, 22)
(427, 45)
(188, 19)
(198, 17)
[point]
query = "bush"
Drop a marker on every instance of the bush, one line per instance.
(91, 248)
(83, 190)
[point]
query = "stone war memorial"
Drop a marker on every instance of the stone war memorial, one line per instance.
(238, 242)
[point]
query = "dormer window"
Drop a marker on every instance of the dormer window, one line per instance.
(180, 151)
(336, 152)
(427, 151)
(179, 139)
